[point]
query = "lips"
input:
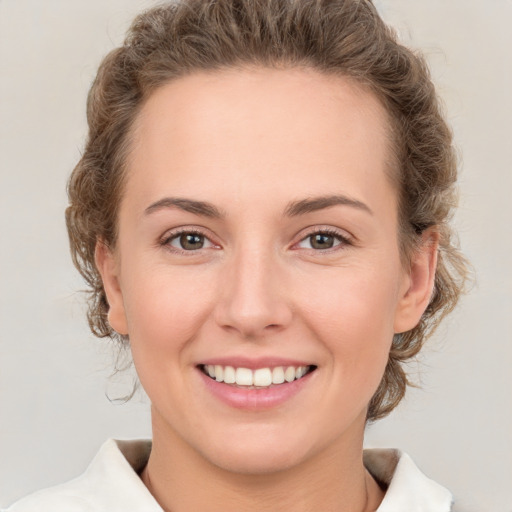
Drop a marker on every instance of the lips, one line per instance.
(255, 385)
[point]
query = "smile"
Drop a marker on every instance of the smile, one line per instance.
(259, 378)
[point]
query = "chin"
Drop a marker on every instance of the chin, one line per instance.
(264, 450)
(256, 460)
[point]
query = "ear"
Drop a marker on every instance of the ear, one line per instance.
(108, 267)
(418, 284)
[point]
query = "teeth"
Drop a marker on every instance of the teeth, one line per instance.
(263, 377)
(278, 375)
(260, 378)
(289, 374)
(244, 377)
(219, 373)
(229, 375)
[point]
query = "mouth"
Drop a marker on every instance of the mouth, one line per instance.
(259, 378)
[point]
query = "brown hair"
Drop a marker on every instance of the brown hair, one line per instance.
(344, 37)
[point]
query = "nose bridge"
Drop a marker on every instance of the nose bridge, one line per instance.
(253, 299)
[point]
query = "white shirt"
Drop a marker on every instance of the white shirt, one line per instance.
(111, 483)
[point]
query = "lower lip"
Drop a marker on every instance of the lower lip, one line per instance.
(255, 399)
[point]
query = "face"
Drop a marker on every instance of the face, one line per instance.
(257, 244)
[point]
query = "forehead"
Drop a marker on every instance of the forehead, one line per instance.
(251, 127)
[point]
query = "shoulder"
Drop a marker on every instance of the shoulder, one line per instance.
(61, 498)
(407, 488)
(111, 482)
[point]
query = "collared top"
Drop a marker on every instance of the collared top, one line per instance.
(111, 483)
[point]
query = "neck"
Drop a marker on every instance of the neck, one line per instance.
(181, 479)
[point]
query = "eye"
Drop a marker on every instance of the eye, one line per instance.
(187, 241)
(323, 240)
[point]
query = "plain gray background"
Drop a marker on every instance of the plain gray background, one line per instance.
(54, 374)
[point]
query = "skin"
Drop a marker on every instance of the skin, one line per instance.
(250, 142)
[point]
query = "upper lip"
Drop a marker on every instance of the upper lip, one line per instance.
(254, 363)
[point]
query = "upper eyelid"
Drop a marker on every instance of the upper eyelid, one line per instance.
(313, 230)
(165, 241)
(345, 238)
(173, 233)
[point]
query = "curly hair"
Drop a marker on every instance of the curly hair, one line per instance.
(341, 37)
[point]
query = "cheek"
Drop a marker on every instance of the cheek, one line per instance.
(351, 299)
(164, 309)
(352, 310)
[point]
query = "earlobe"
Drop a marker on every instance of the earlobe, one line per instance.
(419, 283)
(108, 268)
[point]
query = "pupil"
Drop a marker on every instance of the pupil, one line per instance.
(191, 241)
(322, 241)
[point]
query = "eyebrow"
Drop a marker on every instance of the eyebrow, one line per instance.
(314, 204)
(189, 205)
(293, 209)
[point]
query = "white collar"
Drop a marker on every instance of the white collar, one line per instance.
(113, 475)
(111, 482)
(408, 489)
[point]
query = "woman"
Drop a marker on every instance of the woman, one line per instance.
(261, 212)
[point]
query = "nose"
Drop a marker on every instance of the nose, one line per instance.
(253, 300)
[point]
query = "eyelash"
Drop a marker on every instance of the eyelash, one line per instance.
(169, 237)
(342, 239)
